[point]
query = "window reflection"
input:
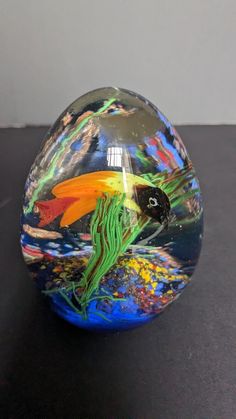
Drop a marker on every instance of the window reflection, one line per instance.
(114, 156)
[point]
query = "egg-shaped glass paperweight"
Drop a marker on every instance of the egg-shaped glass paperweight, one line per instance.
(112, 212)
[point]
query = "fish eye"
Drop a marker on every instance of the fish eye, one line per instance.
(154, 203)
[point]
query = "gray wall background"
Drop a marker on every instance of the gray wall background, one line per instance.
(178, 53)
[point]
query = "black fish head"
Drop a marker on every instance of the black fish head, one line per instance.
(155, 204)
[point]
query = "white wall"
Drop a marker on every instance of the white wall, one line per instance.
(179, 53)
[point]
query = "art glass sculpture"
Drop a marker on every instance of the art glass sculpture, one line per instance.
(112, 213)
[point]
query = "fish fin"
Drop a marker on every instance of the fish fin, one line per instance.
(51, 209)
(102, 181)
(77, 210)
(94, 181)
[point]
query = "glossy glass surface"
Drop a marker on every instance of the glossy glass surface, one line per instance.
(112, 214)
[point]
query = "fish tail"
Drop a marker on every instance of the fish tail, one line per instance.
(50, 210)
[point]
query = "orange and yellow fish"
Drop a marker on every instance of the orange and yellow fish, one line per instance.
(78, 196)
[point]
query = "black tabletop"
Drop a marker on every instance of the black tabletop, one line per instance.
(180, 366)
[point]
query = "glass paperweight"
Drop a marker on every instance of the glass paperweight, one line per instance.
(112, 212)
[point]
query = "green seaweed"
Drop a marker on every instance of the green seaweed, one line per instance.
(112, 233)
